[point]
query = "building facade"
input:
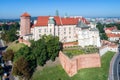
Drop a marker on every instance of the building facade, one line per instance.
(68, 29)
(87, 35)
(25, 24)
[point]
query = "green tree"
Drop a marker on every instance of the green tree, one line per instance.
(9, 35)
(23, 52)
(5, 27)
(100, 27)
(21, 68)
(1, 71)
(26, 53)
(4, 36)
(8, 55)
(53, 47)
(39, 51)
(103, 36)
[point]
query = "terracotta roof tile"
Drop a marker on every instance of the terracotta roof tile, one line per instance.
(43, 21)
(25, 15)
(113, 35)
(111, 28)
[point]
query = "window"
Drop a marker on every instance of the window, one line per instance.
(64, 29)
(39, 30)
(69, 32)
(69, 28)
(44, 30)
(58, 33)
(64, 32)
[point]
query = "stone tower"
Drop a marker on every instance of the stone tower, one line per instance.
(24, 24)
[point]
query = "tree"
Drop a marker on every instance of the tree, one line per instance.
(53, 47)
(17, 25)
(8, 55)
(21, 68)
(1, 71)
(103, 36)
(5, 27)
(39, 51)
(9, 35)
(26, 53)
(23, 52)
(100, 27)
(45, 48)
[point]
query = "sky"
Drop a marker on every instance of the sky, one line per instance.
(85, 8)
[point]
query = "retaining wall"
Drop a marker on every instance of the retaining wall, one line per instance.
(71, 66)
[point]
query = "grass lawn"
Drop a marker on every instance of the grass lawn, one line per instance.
(70, 52)
(15, 46)
(57, 72)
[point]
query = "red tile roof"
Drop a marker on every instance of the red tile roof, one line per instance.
(113, 35)
(43, 21)
(108, 44)
(25, 15)
(111, 28)
(84, 20)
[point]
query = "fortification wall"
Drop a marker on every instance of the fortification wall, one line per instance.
(71, 66)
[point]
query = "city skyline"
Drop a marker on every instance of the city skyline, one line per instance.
(85, 8)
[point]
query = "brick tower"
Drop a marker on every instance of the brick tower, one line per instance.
(24, 24)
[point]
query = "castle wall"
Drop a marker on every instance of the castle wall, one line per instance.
(24, 26)
(71, 66)
(68, 65)
(88, 61)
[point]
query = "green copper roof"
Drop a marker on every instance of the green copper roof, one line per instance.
(93, 29)
(51, 20)
(82, 25)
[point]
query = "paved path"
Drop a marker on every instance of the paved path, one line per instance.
(2, 48)
(114, 72)
(116, 68)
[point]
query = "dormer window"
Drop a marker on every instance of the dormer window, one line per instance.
(51, 20)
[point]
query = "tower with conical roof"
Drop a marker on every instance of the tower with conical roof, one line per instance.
(24, 24)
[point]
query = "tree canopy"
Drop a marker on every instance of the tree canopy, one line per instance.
(8, 55)
(38, 53)
(101, 27)
(21, 68)
(9, 32)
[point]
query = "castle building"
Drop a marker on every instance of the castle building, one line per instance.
(68, 29)
(87, 35)
(25, 24)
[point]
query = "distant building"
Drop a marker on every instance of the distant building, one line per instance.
(110, 29)
(68, 29)
(113, 37)
(112, 33)
(107, 46)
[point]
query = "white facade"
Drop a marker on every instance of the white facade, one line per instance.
(84, 34)
(66, 33)
(107, 48)
(113, 39)
(87, 37)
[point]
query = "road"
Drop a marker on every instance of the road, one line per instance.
(116, 68)
(2, 48)
(114, 72)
